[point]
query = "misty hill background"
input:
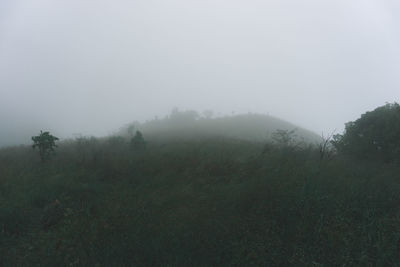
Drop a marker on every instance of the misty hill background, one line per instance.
(190, 125)
(181, 125)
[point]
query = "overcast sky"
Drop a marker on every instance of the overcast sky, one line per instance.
(76, 66)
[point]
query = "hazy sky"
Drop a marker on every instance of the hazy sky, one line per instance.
(76, 66)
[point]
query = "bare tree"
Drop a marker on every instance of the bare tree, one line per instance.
(324, 148)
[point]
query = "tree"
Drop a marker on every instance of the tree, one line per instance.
(284, 138)
(137, 142)
(45, 142)
(325, 148)
(375, 135)
(130, 130)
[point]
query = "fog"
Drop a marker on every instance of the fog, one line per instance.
(90, 67)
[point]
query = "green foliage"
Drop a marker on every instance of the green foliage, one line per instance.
(375, 135)
(52, 214)
(137, 142)
(208, 202)
(45, 142)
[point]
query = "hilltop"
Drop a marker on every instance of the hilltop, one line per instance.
(189, 125)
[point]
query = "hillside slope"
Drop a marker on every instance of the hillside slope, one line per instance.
(250, 127)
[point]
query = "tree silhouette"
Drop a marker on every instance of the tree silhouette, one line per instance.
(375, 135)
(137, 142)
(45, 142)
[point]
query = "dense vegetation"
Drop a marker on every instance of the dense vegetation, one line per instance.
(374, 136)
(203, 202)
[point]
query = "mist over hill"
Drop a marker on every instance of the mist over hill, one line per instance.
(183, 125)
(190, 125)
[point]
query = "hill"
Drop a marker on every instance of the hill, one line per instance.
(189, 125)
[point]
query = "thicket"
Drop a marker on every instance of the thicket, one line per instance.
(204, 202)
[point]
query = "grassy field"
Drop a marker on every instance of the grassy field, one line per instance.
(206, 202)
